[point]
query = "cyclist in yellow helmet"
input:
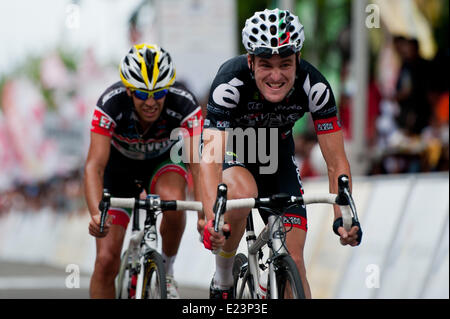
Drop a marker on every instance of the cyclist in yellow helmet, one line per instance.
(131, 140)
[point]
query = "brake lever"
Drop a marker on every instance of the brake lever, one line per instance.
(103, 206)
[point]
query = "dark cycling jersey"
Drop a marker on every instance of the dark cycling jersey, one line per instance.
(146, 156)
(235, 100)
(114, 116)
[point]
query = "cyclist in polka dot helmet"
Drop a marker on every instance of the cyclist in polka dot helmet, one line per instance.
(268, 89)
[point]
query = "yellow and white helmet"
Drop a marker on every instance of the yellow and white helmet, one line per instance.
(147, 67)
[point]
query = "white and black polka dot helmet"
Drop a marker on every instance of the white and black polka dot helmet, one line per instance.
(147, 67)
(271, 32)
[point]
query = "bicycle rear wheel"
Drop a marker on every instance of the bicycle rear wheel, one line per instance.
(289, 284)
(243, 281)
(154, 283)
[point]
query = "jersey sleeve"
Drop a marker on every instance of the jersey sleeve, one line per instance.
(321, 103)
(193, 122)
(102, 123)
(106, 111)
(224, 96)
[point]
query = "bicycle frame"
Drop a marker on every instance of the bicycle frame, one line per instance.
(141, 242)
(274, 235)
(270, 233)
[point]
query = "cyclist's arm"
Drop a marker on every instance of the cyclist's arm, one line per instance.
(332, 147)
(97, 159)
(192, 142)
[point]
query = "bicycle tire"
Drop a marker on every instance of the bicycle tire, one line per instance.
(154, 283)
(289, 283)
(123, 278)
(243, 281)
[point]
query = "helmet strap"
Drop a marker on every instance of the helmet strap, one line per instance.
(252, 66)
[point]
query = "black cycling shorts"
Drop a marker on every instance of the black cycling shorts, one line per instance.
(121, 173)
(286, 179)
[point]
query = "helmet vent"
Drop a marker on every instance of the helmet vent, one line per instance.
(273, 30)
(274, 42)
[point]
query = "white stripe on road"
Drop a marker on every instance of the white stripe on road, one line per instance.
(40, 283)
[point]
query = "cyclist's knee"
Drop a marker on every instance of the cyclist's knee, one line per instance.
(169, 192)
(171, 186)
(297, 256)
(240, 182)
(107, 264)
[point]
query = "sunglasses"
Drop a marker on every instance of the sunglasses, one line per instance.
(144, 95)
(266, 53)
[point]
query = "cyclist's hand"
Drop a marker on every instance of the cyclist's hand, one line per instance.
(94, 226)
(213, 240)
(201, 226)
(352, 237)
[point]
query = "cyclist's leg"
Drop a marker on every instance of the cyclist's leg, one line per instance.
(169, 181)
(241, 184)
(295, 218)
(119, 177)
(171, 186)
(107, 263)
(295, 242)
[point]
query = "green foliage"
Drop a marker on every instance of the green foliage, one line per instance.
(69, 58)
(245, 9)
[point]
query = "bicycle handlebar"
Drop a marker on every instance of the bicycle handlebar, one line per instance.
(152, 202)
(343, 199)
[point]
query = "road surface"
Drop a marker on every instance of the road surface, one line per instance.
(28, 281)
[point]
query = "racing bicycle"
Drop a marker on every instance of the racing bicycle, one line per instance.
(277, 276)
(142, 273)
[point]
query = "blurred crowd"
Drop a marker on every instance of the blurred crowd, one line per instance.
(61, 194)
(407, 131)
(407, 128)
(407, 123)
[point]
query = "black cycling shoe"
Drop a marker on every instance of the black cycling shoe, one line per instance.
(216, 293)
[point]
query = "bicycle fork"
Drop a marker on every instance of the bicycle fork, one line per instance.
(149, 242)
(272, 235)
(254, 245)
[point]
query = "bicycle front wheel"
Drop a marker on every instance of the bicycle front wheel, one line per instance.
(123, 280)
(243, 283)
(289, 284)
(154, 283)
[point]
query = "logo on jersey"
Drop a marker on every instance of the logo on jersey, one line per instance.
(330, 125)
(193, 122)
(318, 94)
(325, 127)
(223, 124)
(105, 122)
(226, 94)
